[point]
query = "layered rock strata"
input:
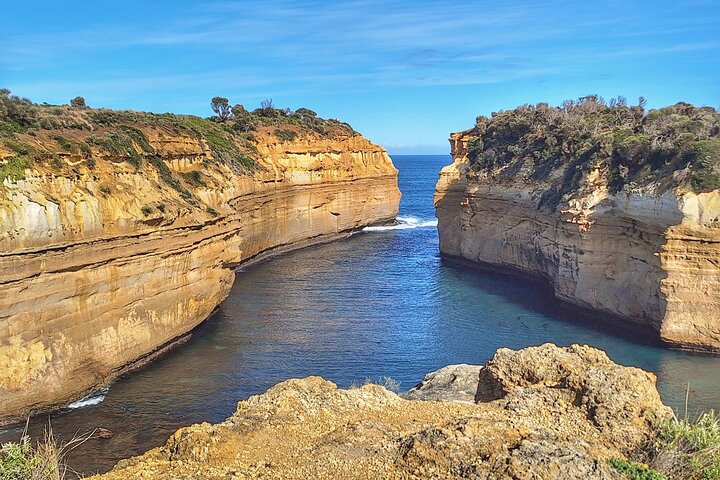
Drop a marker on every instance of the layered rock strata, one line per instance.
(542, 412)
(100, 270)
(638, 255)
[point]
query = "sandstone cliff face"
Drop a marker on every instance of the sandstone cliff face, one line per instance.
(543, 412)
(648, 257)
(100, 269)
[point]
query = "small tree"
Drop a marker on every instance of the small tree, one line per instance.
(221, 107)
(78, 102)
(305, 112)
(239, 111)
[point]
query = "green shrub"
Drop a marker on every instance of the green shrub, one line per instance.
(563, 145)
(44, 460)
(14, 167)
(705, 155)
(634, 471)
(118, 144)
(85, 149)
(285, 135)
(78, 102)
(17, 460)
(65, 144)
(146, 210)
(138, 137)
(22, 461)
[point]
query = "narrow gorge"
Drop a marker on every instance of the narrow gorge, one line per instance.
(617, 209)
(121, 230)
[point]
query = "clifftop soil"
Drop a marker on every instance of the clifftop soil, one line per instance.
(542, 412)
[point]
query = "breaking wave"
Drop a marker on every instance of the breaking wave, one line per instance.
(403, 223)
(92, 399)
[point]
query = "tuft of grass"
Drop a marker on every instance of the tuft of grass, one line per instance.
(687, 449)
(286, 135)
(634, 470)
(45, 460)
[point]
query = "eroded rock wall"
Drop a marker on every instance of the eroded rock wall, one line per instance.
(646, 258)
(98, 271)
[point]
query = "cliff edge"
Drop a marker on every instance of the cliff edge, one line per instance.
(617, 208)
(119, 230)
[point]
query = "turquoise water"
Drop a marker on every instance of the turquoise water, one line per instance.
(381, 303)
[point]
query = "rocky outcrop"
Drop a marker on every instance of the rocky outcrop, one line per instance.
(102, 266)
(453, 383)
(545, 412)
(644, 255)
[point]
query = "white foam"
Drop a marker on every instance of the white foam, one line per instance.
(404, 223)
(92, 399)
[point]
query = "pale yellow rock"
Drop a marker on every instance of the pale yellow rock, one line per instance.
(652, 259)
(99, 271)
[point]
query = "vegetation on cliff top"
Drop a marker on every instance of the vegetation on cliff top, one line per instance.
(675, 145)
(64, 138)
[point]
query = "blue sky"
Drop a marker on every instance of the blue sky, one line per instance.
(403, 73)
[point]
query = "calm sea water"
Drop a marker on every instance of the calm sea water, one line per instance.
(381, 303)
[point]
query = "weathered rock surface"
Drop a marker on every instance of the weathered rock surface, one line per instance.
(453, 383)
(100, 270)
(648, 258)
(558, 413)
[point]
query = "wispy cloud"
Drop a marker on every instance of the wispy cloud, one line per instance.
(349, 48)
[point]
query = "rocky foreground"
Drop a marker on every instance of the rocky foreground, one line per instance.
(539, 413)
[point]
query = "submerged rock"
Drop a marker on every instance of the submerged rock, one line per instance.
(547, 413)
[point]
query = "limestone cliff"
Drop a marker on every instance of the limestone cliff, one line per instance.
(543, 412)
(122, 234)
(622, 220)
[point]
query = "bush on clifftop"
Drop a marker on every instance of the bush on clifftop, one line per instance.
(67, 139)
(623, 142)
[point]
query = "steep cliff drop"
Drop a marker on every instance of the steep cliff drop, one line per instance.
(618, 209)
(119, 231)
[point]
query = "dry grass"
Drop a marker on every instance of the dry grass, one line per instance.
(687, 449)
(42, 461)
